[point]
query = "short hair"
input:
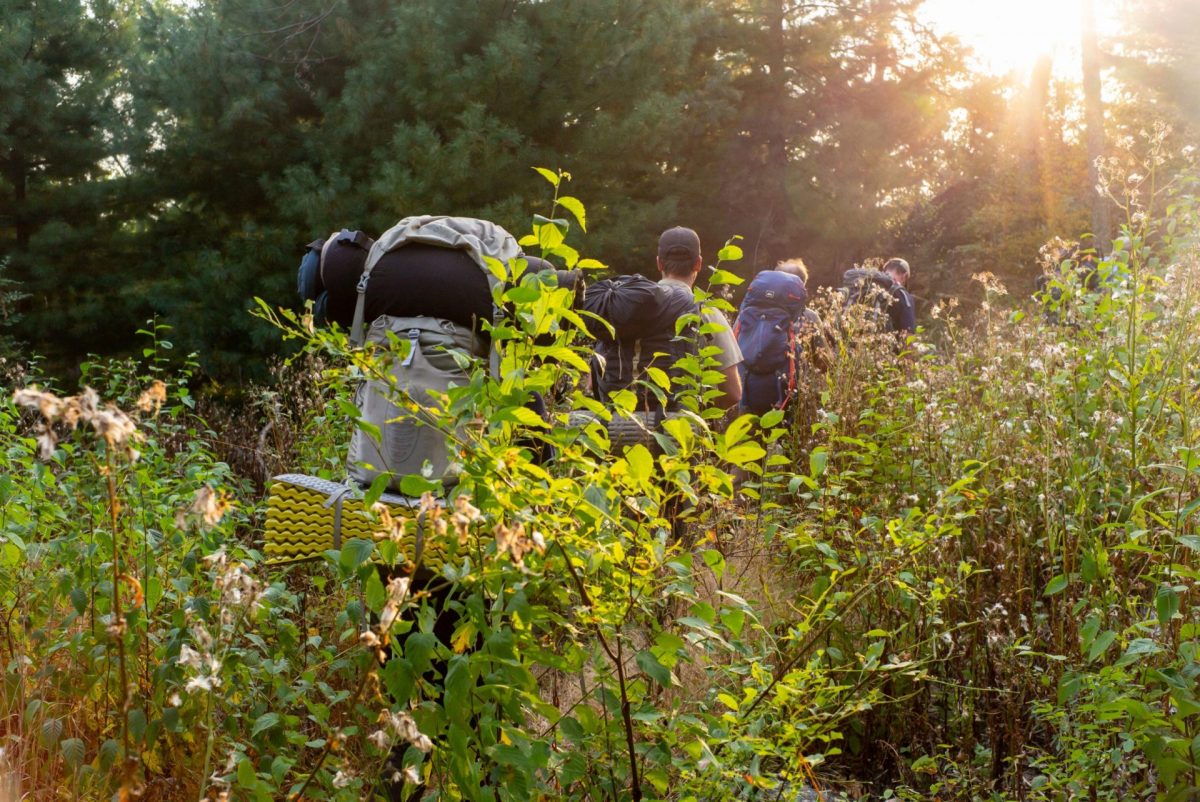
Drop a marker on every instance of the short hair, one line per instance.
(794, 266)
(897, 264)
(677, 266)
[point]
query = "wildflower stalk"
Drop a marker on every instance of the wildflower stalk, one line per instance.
(386, 624)
(117, 627)
(208, 749)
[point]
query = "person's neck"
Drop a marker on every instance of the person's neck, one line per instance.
(688, 280)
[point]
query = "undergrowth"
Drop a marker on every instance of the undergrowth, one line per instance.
(962, 567)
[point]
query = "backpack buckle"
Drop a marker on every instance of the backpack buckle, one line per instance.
(414, 341)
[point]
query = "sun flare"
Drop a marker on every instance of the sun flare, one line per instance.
(1011, 35)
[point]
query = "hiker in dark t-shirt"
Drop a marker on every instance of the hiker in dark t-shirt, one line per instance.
(902, 309)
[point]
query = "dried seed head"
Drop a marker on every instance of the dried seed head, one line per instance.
(152, 399)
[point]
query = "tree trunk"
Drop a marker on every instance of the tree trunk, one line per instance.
(1094, 114)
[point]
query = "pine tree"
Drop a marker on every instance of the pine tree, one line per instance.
(59, 68)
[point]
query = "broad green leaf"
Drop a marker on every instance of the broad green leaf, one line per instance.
(745, 454)
(137, 723)
(355, 552)
(265, 722)
(549, 236)
(654, 669)
(1056, 585)
(734, 619)
(549, 175)
(641, 462)
(770, 420)
(575, 207)
(108, 753)
(724, 277)
(1166, 603)
(523, 416)
(818, 458)
(374, 591)
(730, 253)
(715, 561)
(415, 485)
(245, 773)
(73, 751)
(51, 731)
(659, 377)
(378, 485)
(1100, 645)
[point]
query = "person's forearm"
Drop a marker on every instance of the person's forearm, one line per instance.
(731, 388)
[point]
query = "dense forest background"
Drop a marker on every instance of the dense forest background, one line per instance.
(170, 160)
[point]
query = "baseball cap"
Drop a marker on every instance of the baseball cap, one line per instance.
(679, 243)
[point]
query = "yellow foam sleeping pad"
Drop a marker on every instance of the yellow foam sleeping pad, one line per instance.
(307, 516)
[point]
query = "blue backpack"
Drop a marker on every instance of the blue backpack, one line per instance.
(767, 332)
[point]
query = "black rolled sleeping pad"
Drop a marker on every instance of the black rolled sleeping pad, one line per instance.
(415, 279)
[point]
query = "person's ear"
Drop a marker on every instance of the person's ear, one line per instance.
(658, 261)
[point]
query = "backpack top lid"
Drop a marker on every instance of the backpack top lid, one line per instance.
(627, 303)
(773, 289)
(481, 239)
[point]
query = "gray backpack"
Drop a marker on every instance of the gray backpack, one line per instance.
(409, 444)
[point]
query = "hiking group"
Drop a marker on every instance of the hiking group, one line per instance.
(427, 282)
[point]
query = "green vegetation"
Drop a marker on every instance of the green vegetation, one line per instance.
(963, 573)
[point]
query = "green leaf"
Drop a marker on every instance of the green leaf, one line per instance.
(771, 419)
(375, 592)
(378, 485)
(108, 753)
(245, 773)
(575, 207)
(415, 485)
(265, 722)
(716, 561)
(79, 600)
(659, 377)
(818, 459)
(641, 463)
(549, 175)
(745, 453)
(154, 592)
(73, 752)
(1166, 603)
(1101, 644)
(733, 619)
(549, 236)
(730, 253)
(355, 552)
(1055, 586)
(1139, 647)
(457, 698)
(523, 416)
(724, 277)
(137, 723)
(51, 731)
(654, 669)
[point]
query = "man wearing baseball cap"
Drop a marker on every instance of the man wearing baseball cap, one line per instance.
(679, 263)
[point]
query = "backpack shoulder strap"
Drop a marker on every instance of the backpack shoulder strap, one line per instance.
(332, 238)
